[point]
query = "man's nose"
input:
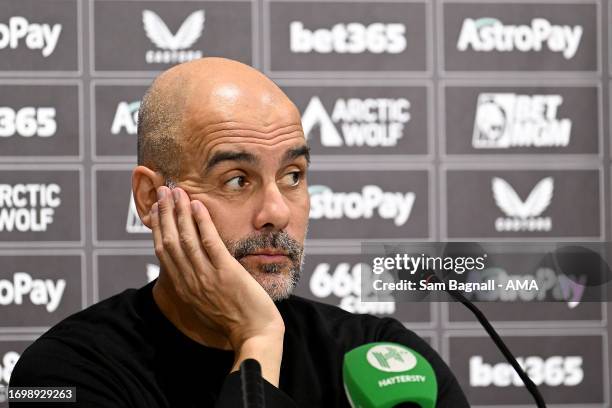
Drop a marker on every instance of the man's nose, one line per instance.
(272, 212)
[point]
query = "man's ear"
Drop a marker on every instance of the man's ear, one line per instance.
(144, 187)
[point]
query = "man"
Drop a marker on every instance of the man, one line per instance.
(221, 182)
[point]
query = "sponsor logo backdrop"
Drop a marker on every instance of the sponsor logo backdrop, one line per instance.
(429, 120)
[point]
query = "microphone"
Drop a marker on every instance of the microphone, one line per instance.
(388, 375)
(252, 384)
(529, 384)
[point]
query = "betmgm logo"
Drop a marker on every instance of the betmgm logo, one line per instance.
(126, 118)
(33, 36)
(7, 364)
(523, 215)
(554, 371)
(505, 120)
(490, 34)
(390, 358)
(345, 281)
(173, 47)
(370, 122)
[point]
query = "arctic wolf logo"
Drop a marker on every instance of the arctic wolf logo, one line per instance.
(159, 33)
(367, 122)
(523, 216)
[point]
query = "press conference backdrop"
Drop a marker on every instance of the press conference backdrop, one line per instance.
(411, 109)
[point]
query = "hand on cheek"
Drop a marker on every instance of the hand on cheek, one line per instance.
(209, 279)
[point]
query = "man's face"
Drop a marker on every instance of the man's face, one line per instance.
(248, 165)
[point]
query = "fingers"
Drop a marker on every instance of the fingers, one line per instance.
(189, 237)
(209, 236)
(170, 243)
(162, 255)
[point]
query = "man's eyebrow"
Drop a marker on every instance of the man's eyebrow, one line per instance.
(296, 152)
(222, 156)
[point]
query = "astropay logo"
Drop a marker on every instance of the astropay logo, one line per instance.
(39, 292)
(370, 122)
(18, 31)
(551, 286)
(490, 34)
(133, 223)
(126, 118)
(28, 207)
(371, 201)
(523, 216)
(505, 120)
(554, 371)
(350, 38)
(174, 47)
(344, 281)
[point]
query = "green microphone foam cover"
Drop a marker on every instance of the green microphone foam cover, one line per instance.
(385, 375)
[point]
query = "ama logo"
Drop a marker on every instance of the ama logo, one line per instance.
(370, 122)
(173, 47)
(523, 216)
(505, 120)
(126, 118)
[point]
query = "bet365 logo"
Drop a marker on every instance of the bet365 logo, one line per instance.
(28, 121)
(351, 38)
(552, 371)
(344, 281)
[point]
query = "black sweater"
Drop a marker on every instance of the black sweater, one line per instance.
(123, 352)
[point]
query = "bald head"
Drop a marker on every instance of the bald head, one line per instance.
(186, 102)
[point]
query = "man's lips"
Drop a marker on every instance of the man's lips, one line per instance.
(268, 255)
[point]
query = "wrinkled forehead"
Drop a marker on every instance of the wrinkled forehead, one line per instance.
(232, 114)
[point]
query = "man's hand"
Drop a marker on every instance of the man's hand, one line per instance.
(214, 284)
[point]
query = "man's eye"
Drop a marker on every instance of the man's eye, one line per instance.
(293, 178)
(236, 183)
